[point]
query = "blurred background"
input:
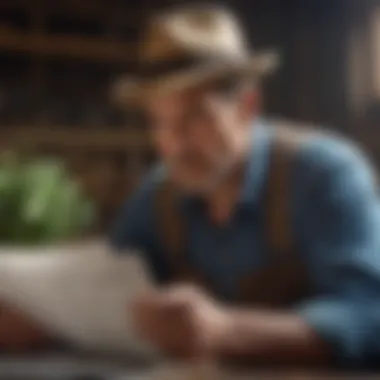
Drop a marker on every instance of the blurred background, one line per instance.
(58, 59)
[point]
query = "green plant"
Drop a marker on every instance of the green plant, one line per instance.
(39, 202)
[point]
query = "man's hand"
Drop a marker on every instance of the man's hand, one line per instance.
(19, 332)
(182, 321)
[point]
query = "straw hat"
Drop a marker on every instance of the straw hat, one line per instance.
(188, 46)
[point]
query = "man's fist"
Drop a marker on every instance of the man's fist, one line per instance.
(181, 321)
(19, 332)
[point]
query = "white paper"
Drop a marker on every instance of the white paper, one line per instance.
(81, 292)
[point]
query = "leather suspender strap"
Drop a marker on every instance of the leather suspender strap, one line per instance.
(173, 234)
(285, 145)
(171, 228)
(282, 278)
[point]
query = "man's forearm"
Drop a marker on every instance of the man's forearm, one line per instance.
(270, 337)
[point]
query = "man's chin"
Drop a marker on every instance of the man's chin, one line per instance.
(200, 183)
(197, 186)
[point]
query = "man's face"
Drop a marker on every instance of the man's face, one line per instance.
(199, 135)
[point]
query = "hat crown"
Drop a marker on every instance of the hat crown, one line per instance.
(187, 46)
(193, 31)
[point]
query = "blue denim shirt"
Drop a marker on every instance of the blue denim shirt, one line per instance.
(336, 221)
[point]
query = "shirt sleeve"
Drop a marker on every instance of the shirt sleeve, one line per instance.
(135, 227)
(340, 227)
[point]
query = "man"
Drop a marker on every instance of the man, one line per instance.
(200, 91)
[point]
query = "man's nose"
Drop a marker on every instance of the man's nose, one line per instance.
(177, 145)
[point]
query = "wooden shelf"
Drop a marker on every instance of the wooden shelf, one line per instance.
(70, 138)
(78, 9)
(88, 38)
(99, 49)
(66, 46)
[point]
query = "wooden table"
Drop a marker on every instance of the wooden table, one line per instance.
(70, 367)
(74, 366)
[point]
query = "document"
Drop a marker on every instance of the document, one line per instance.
(81, 292)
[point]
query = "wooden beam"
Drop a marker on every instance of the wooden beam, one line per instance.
(66, 46)
(70, 138)
(85, 10)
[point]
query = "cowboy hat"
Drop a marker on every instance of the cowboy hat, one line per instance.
(189, 46)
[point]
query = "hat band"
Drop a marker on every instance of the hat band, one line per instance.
(153, 70)
(149, 71)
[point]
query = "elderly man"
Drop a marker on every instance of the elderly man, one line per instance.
(269, 250)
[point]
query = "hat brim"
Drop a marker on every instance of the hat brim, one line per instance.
(134, 91)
